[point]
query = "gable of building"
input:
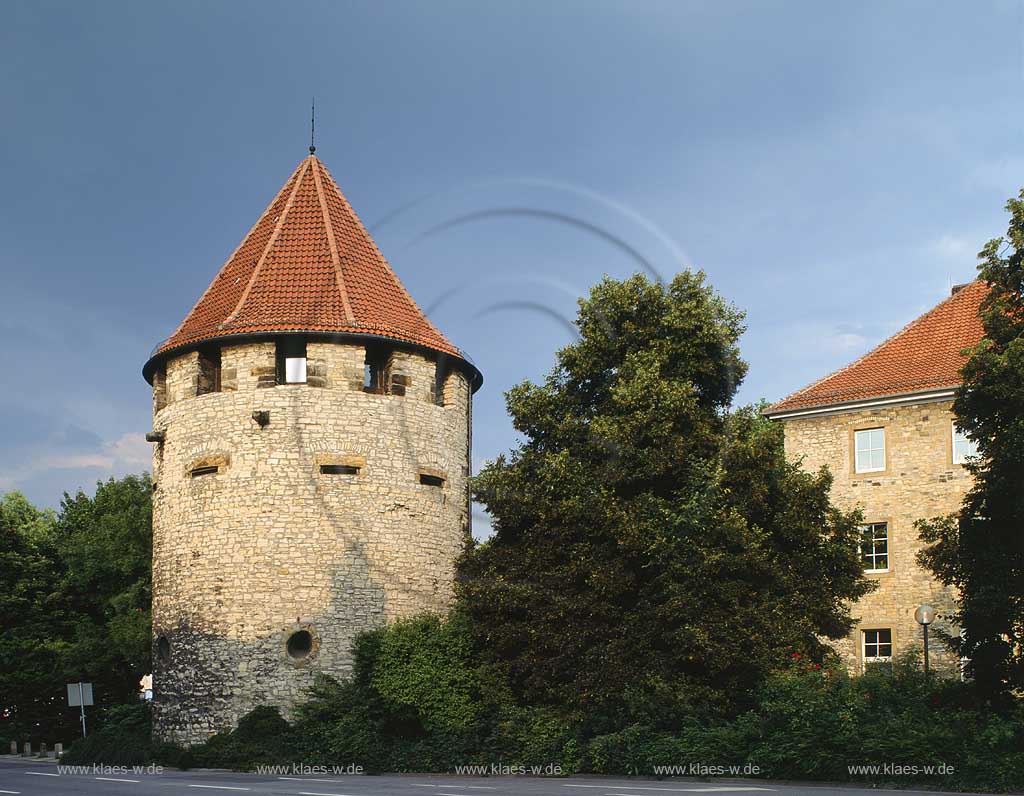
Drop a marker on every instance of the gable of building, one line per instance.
(924, 357)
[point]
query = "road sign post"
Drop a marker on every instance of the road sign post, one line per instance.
(80, 695)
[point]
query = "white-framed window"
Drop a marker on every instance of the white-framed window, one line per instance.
(964, 447)
(869, 450)
(874, 546)
(877, 645)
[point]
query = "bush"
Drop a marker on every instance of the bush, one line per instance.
(172, 755)
(537, 736)
(420, 700)
(262, 737)
(808, 724)
(123, 739)
(814, 723)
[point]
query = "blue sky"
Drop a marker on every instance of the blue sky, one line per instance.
(833, 167)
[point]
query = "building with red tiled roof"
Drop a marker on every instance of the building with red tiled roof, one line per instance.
(311, 463)
(884, 428)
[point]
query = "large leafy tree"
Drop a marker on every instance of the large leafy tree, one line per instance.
(653, 552)
(33, 620)
(980, 551)
(74, 604)
(106, 544)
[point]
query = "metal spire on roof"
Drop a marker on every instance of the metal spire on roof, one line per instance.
(312, 129)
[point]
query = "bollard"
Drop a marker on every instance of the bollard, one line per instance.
(58, 750)
(27, 751)
(42, 749)
(14, 747)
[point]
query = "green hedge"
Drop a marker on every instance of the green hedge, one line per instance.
(813, 724)
(419, 701)
(123, 739)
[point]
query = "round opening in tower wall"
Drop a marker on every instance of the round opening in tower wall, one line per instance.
(300, 645)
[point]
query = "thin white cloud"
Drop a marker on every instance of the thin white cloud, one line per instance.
(955, 247)
(133, 449)
(818, 338)
(838, 342)
(128, 453)
(999, 174)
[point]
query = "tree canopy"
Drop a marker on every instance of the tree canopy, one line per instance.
(74, 604)
(980, 551)
(652, 547)
(34, 627)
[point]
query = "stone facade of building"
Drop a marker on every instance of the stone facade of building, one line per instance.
(255, 545)
(919, 481)
(894, 404)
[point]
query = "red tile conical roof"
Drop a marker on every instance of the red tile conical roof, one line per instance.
(927, 354)
(308, 265)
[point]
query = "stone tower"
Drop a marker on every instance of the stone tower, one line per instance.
(311, 463)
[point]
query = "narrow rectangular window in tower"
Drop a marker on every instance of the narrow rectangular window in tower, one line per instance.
(209, 371)
(373, 369)
(339, 469)
(291, 360)
(441, 371)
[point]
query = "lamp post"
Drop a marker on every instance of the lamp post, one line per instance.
(925, 615)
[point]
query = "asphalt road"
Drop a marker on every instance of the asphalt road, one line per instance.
(28, 778)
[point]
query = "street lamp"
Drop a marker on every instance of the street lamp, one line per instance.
(925, 615)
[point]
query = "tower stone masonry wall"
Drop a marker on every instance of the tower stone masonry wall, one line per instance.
(268, 545)
(919, 482)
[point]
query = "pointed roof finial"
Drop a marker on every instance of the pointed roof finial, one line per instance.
(312, 129)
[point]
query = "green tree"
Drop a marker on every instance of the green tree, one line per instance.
(653, 553)
(33, 621)
(106, 544)
(980, 551)
(74, 604)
